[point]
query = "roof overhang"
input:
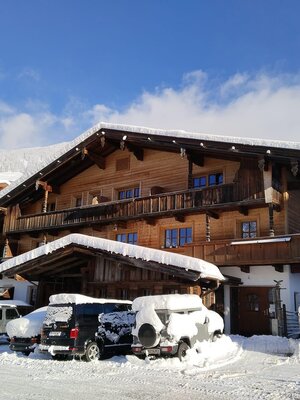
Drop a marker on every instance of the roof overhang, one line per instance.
(73, 250)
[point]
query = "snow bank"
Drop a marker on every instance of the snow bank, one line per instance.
(204, 268)
(27, 326)
(74, 298)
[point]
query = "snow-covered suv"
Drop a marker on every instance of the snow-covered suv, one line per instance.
(168, 325)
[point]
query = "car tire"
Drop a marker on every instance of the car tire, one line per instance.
(92, 352)
(182, 349)
(147, 335)
(26, 353)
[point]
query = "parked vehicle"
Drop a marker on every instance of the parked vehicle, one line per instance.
(25, 332)
(87, 327)
(8, 312)
(168, 325)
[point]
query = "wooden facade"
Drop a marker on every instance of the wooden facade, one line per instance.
(203, 198)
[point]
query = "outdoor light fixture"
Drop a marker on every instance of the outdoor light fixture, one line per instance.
(102, 141)
(182, 152)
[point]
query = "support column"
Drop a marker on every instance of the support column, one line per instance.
(207, 227)
(271, 220)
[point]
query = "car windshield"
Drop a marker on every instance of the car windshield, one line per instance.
(58, 313)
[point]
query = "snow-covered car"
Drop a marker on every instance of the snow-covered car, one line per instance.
(168, 325)
(8, 312)
(86, 327)
(25, 332)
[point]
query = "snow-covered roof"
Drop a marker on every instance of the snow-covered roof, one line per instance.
(74, 298)
(14, 303)
(204, 268)
(59, 150)
(8, 177)
(168, 302)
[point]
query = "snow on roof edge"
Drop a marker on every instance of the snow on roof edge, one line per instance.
(151, 131)
(204, 268)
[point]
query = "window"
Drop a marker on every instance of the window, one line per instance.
(215, 179)
(129, 193)
(178, 237)
(77, 201)
(249, 229)
(127, 237)
(210, 180)
(199, 182)
(11, 313)
(51, 207)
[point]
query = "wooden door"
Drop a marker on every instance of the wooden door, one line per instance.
(253, 311)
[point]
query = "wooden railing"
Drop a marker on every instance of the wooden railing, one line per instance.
(142, 207)
(277, 251)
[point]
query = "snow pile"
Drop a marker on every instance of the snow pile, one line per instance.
(204, 268)
(168, 302)
(75, 298)
(268, 344)
(115, 325)
(58, 314)
(184, 325)
(27, 326)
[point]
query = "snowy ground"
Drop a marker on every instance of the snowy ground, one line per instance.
(234, 367)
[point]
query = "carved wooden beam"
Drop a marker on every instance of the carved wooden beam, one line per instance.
(197, 159)
(180, 218)
(96, 158)
(243, 210)
(213, 214)
(150, 221)
(137, 151)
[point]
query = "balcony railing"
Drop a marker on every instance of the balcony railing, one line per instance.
(276, 251)
(164, 204)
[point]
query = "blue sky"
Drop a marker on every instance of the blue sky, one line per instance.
(205, 66)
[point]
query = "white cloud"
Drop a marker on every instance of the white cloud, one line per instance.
(261, 106)
(29, 73)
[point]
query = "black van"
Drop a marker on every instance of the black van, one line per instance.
(77, 325)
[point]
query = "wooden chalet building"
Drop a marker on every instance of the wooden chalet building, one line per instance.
(230, 201)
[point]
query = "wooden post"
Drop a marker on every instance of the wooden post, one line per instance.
(45, 202)
(271, 220)
(190, 175)
(207, 227)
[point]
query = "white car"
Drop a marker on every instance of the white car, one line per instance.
(25, 332)
(168, 325)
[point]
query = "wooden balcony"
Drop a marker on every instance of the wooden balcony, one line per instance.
(277, 251)
(150, 207)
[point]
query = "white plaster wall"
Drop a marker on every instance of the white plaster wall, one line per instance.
(294, 287)
(261, 276)
(21, 292)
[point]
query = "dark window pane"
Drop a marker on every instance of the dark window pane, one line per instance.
(199, 182)
(137, 192)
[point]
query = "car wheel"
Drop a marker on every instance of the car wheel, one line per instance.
(148, 336)
(92, 352)
(26, 353)
(182, 349)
